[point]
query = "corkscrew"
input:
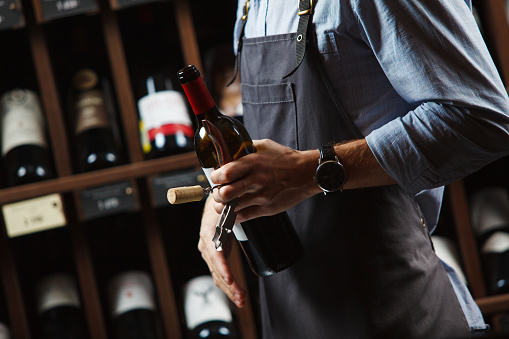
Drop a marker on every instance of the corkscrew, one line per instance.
(227, 218)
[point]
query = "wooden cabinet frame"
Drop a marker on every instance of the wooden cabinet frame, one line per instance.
(136, 169)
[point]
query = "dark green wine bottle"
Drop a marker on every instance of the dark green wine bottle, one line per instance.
(270, 243)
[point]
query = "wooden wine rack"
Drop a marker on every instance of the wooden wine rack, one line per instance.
(493, 16)
(136, 169)
(496, 33)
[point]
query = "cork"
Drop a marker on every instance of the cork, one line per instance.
(180, 195)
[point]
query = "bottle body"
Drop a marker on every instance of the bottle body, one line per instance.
(165, 117)
(207, 312)
(490, 221)
(95, 142)
(271, 243)
(25, 154)
(133, 306)
(59, 307)
(495, 261)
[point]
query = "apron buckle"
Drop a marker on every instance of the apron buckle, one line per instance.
(246, 10)
(306, 11)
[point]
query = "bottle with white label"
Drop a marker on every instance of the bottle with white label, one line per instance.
(164, 115)
(25, 155)
(207, 310)
(490, 221)
(60, 315)
(133, 306)
(5, 332)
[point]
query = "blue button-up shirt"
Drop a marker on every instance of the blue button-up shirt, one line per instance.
(417, 80)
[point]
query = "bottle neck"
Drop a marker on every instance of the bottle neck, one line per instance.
(200, 99)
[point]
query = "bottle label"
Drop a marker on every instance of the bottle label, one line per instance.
(90, 111)
(4, 332)
(57, 290)
(34, 215)
(131, 290)
(165, 112)
(204, 302)
(498, 242)
(22, 120)
(237, 228)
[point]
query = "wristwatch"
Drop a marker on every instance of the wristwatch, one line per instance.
(330, 174)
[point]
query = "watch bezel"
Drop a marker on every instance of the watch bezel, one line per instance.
(328, 185)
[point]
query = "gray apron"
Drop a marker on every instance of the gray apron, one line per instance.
(369, 269)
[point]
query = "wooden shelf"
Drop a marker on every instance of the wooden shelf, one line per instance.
(46, 62)
(92, 179)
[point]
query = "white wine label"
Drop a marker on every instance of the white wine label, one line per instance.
(34, 215)
(498, 242)
(237, 228)
(490, 209)
(239, 232)
(207, 172)
(163, 108)
(57, 290)
(4, 332)
(91, 111)
(204, 302)
(131, 290)
(22, 120)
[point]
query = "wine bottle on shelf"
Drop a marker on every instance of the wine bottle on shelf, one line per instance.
(270, 243)
(25, 155)
(133, 306)
(490, 221)
(59, 308)
(96, 147)
(123, 272)
(5, 332)
(207, 310)
(164, 115)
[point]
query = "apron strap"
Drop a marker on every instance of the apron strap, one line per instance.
(239, 43)
(305, 13)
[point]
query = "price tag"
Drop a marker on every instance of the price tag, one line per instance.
(108, 200)
(162, 183)
(53, 9)
(34, 215)
(117, 4)
(11, 15)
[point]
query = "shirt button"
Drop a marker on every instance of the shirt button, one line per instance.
(423, 223)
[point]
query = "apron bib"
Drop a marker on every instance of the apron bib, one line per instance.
(369, 269)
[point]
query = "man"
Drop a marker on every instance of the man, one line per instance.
(408, 95)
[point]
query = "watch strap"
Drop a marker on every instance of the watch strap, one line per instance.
(327, 153)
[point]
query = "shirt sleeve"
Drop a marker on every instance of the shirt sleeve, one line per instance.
(435, 58)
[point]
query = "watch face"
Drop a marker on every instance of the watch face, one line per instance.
(330, 176)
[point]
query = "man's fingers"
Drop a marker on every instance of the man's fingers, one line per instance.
(233, 290)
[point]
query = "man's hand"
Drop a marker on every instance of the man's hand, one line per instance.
(276, 178)
(216, 260)
(267, 182)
